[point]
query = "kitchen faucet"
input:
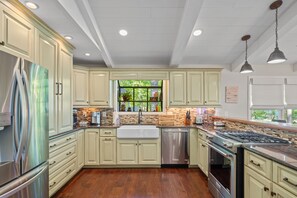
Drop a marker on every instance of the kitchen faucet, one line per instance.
(139, 116)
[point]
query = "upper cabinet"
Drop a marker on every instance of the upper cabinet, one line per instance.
(16, 34)
(80, 87)
(194, 88)
(99, 88)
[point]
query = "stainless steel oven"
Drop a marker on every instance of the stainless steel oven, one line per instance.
(222, 172)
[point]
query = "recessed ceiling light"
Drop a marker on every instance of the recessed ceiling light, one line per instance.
(123, 32)
(87, 54)
(197, 32)
(68, 37)
(31, 5)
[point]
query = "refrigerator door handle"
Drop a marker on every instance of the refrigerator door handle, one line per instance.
(29, 108)
(23, 104)
(18, 184)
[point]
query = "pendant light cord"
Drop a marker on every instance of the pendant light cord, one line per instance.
(246, 47)
(276, 27)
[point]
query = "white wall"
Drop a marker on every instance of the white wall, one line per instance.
(228, 78)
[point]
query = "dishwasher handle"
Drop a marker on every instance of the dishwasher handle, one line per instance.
(175, 130)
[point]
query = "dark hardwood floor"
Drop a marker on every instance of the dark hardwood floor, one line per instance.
(137, 183)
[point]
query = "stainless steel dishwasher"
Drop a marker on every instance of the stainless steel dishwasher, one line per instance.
(175, 146)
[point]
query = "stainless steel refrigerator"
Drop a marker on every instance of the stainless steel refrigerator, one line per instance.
(23, 128)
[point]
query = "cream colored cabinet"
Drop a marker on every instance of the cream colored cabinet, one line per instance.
(265, 178)
(127, 151)
(144, 152)
(92, 147)
(177, 88)
(64, 92)
(47, 56)
(80, 87)
(194, 88)
(256, 185)
(203, 156)
(193, 147)
(195, 94)
(149, 151)
(99, 88)
(16, 34)
(108, 150)
(80, 149)
(212, 88)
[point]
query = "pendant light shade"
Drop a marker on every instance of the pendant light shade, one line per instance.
(246, 67)
(276, 56)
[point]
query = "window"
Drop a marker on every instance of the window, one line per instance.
(146, 95)
(294, 116)
(266, 114)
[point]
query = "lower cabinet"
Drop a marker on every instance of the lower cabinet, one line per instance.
(108, 150)
(202, 153)
(281, 183)
(193, 147)
(133, 152)
(92, 147)
(80, 148)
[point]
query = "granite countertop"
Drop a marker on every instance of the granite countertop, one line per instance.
(283, 154)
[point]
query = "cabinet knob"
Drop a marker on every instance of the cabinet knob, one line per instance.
(170, 101)
(266, 189)
(205, 102)
(273, 194)
(107, 102)
(188, 102)
(2, 43)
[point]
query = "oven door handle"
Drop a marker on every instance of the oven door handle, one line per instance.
(219, 151)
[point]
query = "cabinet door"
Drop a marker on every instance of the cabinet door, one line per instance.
(17, 34)
(65, 91)
(193, 147)
(195, 94)
(47, 56)
(80, 149)
(281, 193)
(127, 152)
(149, 151)
(177, 88)
(92, 147)
(255, 185)
(108, 150)
(80, 87)
(99, 88)
(203, 156)
(212, 88)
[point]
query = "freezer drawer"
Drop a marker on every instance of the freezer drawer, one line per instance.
(32, 184)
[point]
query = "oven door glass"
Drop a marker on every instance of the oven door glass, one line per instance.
(220, 167)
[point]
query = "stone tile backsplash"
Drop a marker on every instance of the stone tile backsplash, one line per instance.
(85, 114)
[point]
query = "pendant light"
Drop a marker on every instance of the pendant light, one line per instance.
(276, 56)
(246, 67)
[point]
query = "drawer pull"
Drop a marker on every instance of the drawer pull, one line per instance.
(289, 182)
(69, 171)
(200, 135)
(266, 189)
(107, 132)
(203, 145)
(52, 146)
(256, 164)
(108, 139)
(68, 153)
(52, 163)
(273, 194)
(52, 184)
(68, 139)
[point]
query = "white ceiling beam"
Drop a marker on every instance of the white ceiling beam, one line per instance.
(81, 13)
(188, 21)
(287, 21)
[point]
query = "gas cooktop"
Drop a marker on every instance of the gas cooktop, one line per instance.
(251, 137)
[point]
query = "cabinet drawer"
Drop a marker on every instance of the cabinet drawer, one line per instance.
(61, 141)
(107, 132)
(61, 156)
(258, 163)
(202, 134)
(285, 177)
(60, 177)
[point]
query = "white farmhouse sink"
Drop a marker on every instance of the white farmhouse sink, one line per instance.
(138, 131)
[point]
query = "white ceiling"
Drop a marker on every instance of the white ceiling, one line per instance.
(160, 31)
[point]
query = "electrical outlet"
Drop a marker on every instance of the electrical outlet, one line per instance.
(103, 114)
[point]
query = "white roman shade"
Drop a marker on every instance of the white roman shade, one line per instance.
(291, 92)
(267, 92)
